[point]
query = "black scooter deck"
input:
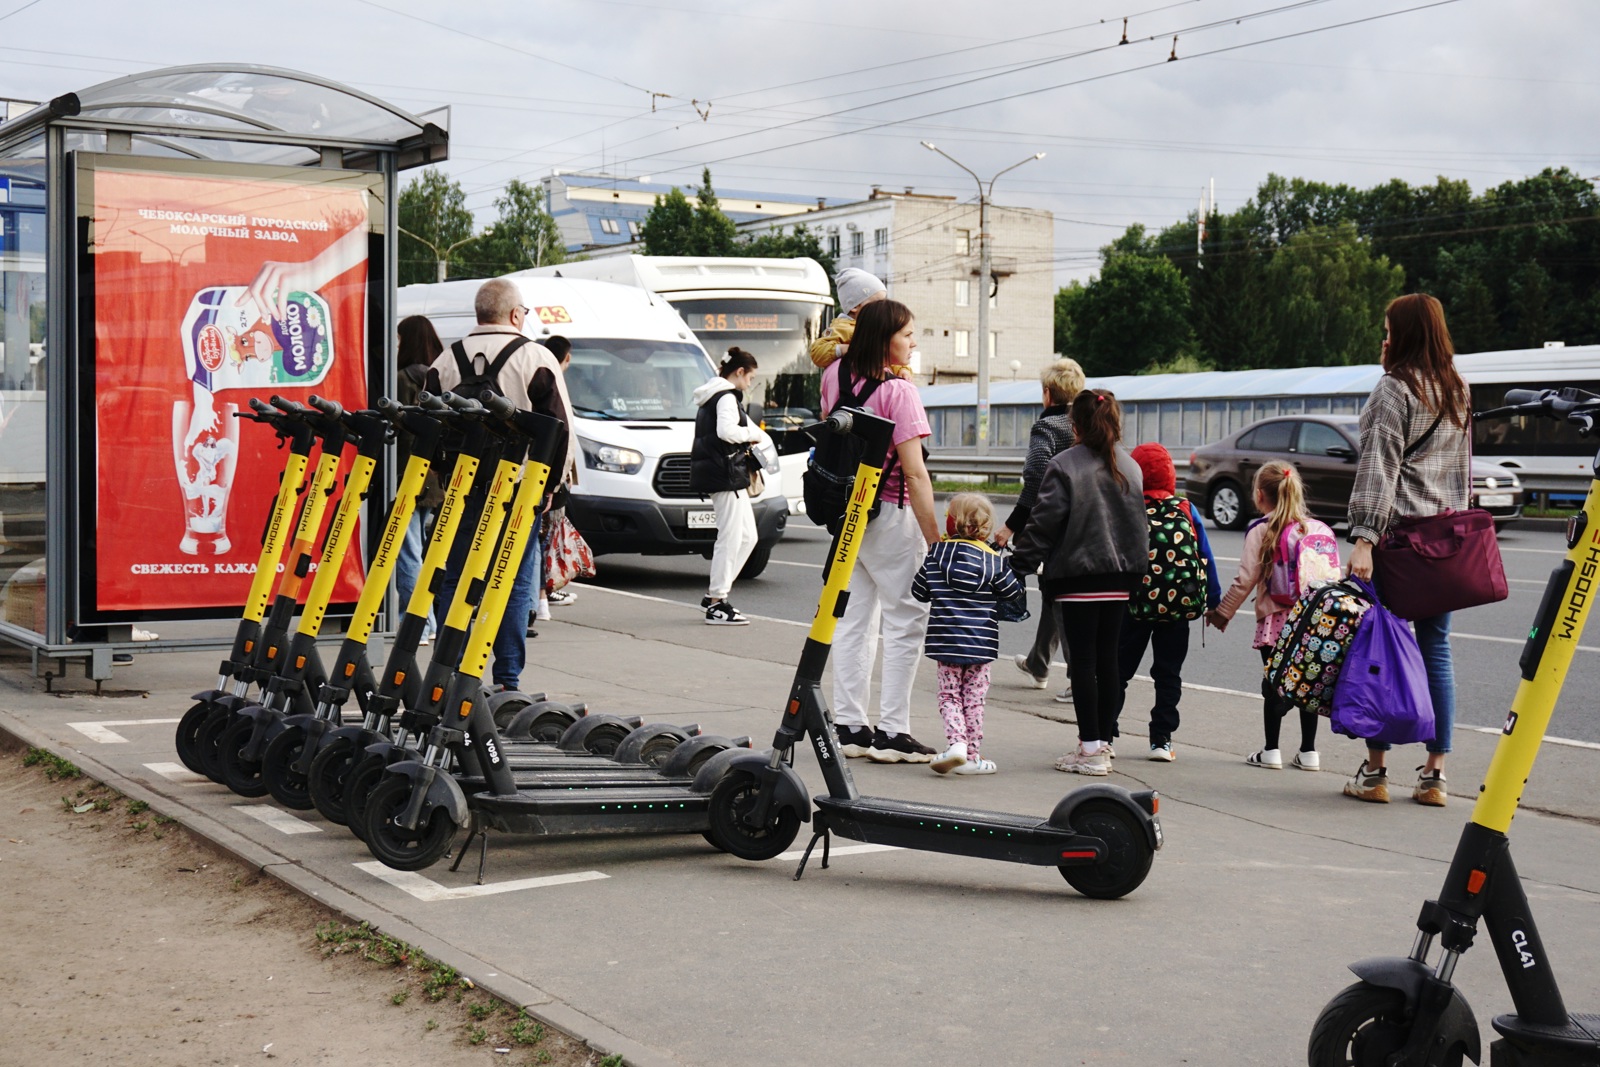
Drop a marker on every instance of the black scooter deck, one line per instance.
(992, 835)
(595, 811)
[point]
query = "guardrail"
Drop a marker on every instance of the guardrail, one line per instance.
(1536, 488)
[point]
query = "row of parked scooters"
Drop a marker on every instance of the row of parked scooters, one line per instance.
(426, 753)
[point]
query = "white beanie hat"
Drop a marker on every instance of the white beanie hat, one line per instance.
(856, 287)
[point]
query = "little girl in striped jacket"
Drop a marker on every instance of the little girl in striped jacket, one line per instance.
(970, 589)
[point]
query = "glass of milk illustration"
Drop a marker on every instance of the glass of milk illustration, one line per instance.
(232, 349)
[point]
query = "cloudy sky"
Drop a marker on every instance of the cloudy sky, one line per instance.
(829, 97)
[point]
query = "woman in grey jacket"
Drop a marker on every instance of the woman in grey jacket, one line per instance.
(1091, 532)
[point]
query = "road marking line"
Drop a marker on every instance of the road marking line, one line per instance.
(97, 731)
(792, 563)
(427, 890)
(177, 772)
(278, 819)
(1567, 741)
(679, 603)
(839, 850)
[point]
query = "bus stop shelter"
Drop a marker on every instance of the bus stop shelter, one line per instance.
(172, 244)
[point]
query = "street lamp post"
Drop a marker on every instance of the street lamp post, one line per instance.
(443, 257)
(985, 282)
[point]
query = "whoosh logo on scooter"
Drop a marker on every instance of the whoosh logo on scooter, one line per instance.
(1581, 590)
(1519, 941)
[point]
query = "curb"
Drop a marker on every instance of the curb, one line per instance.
(540, 1005)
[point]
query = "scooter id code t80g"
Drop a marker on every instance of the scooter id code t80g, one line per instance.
(1406, 1012)
(1102, 838)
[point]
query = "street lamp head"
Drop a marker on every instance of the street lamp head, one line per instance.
(930, 146)
(1038, 155)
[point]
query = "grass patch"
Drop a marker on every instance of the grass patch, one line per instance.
(952, 485)
(55, 768)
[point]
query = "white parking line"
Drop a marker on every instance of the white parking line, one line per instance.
(177, 772)
(278, 819)
(838, 850)
(1566, 741)
(97, 731)
(427, 890)
(683, 604)
(792, 563)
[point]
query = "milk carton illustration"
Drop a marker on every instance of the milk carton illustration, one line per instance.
(230, 346)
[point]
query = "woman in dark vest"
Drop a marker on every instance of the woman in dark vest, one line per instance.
(719, 468)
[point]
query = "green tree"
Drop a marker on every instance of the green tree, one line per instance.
(523, 236)
(775, 244)
(668, 228)
(1066, 296)
(1328, 295)
(1135, 314)
(712, 233)
(434, 208)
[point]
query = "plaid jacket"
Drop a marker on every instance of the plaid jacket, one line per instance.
(1436, 477)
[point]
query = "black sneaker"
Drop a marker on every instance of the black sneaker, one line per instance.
(707, 601)
(854, 740)
(723, 613)
(898, 748)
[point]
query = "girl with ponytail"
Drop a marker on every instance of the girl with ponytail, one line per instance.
(1090, 530)
(1280, 497)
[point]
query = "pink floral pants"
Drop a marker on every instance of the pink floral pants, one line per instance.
(962, 689)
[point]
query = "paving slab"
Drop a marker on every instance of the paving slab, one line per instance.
(666, 951)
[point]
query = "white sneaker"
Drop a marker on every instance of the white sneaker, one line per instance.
(543, 614)
(1065, 696)
(1270, 758)
(144, 635)
(951, 759)
(976, 766)
(1307, 761)
(1080, 762)
(1021, 661)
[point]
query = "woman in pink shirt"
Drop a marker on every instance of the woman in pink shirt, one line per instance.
(892, 550)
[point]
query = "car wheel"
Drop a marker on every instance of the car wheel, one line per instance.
(1227, 506)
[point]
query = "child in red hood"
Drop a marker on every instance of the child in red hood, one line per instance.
(1168, 641)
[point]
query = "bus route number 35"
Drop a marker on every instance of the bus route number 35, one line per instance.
(551, 315)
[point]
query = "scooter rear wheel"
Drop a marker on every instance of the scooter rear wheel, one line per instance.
(1128, 851)
(288, 786)
(732, 798)
(1362, 1027)
(188, 735)
(239, 774)
(329, 771)
(392, 844)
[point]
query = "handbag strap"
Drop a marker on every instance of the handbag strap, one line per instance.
(1419, 442)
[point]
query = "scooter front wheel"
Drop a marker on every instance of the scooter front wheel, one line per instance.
(288, 786)
(395, 846)
(329, 770)
(240, 774)
(188, 737)
(208, 742)
(1128, 852)
(358, 786)
(1362, 1027)
(732, 799)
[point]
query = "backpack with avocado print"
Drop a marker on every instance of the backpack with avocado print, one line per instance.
(1174, 588)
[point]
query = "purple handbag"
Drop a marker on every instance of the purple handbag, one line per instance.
(1382, 693)
(1444, 562)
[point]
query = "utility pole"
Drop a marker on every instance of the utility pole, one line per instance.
(443, 257)
(985, 283)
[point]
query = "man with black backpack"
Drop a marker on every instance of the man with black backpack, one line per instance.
(498, 357)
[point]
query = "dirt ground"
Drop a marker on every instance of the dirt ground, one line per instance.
(128, 941)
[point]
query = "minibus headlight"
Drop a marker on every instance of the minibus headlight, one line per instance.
(597, 456)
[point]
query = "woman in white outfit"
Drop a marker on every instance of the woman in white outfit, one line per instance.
(892, 550)
(719, 468)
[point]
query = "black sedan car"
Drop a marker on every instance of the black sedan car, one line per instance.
(1323, 448)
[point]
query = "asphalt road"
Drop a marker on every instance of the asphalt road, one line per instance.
(1487, 641)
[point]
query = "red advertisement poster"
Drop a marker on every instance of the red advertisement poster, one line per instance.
(209, 291)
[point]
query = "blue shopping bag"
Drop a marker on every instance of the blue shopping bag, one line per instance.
(1382, 693)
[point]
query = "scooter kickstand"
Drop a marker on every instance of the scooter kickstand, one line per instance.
(474, 829)
(822, 835)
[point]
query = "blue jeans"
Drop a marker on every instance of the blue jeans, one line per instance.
(408, 566)
(511, 640)
(1433, 637)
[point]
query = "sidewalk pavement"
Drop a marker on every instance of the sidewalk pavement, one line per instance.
(671, 953)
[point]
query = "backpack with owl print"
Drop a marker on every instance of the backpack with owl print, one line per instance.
(1174, 588)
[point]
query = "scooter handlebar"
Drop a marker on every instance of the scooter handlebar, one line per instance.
(426, 401)
(462, 405)
(498, 406)
(388, 408)
(331, 408)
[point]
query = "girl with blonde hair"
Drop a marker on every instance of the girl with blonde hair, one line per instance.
(1281, 499)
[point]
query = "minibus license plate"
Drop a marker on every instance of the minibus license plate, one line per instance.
(1493, 500)
(707, 520)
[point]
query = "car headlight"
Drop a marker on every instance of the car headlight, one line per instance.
(617, 460)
